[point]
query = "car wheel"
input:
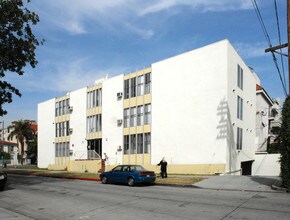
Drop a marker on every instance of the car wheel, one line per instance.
(131, 181)
(104, 180)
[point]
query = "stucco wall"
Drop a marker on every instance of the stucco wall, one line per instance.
(112, 110)
(46, 133)
(248, 94)
(78, 122)
(187, 91)
(266, 165)
(262, 123)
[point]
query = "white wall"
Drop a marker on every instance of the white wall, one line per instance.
(112, 110)
(262, 122)
(187, 93)
(266, 165)
(78, 143)
(248, 94)
(46, 133)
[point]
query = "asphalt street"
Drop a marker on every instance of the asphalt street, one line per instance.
(30, 197)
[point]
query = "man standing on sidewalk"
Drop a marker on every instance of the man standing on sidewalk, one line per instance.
(163, 166)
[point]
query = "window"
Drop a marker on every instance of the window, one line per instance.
(133, 117)
(61, 107)
(139, 143)
(94, 98)
(133, 87)
(140, 85)
(133, 144)
(126, 144)
(56, 108)
(62, 149)
(140, 115)
(240, 77)
(67, 127)
(126, 118)
(147, 143)
(239, 138)
(147, 118)
(94, 123)
(62, 129)
(126, 89)
(147, 83)
(240, 108)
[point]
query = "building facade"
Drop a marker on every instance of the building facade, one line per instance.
(196, 109)
(11, 145)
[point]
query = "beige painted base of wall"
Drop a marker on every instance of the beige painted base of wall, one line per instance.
(92, 166)
(145, 161)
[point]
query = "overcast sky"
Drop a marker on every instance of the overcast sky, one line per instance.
(88, 39)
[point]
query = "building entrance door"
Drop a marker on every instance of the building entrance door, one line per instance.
(246, 167)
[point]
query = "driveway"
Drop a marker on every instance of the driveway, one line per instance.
(241, 183)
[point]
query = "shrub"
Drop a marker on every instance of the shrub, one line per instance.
(284, 143)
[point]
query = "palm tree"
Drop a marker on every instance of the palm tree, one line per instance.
(23, 132)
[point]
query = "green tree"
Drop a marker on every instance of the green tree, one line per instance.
(6, 156)
(23, 132)
(17, 45)
(32, 150)
(284, 144)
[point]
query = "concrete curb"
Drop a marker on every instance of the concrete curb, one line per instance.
(277, 186)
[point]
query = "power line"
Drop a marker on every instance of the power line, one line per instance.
(279, 37)
(269, 42)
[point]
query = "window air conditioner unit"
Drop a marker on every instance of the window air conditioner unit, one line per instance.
(70, 108)
(70, 130)
(119, 122)
(119, 95)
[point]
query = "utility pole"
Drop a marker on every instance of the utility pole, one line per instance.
(273, 49)
(288, 33)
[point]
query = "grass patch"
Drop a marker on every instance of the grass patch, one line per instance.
(179, 180)
(186, 180)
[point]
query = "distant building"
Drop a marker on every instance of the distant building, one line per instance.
(11, 145)
(197, 109)
(263, 119)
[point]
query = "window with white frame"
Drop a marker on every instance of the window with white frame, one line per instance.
(147, 143)
(126, 118)
(239, 108)
(126, 144)
(147, 83)
(62, 149)
(62, 107)
(133, 116)
(239, 138)
(133, 87)
(127, 89)
(94, 98)
(94, 123)
(140, 115)
(147, 112)
(62, 129)
(137, 143)
(240, 77)
(133, 143)
(140, 85)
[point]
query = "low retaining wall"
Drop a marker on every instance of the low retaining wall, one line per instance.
(266, 165)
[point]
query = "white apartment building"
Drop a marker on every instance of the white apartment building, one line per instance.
(196, 109)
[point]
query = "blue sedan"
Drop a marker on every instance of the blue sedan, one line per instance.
(130, 174)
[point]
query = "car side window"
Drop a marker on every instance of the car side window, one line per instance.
(117, 169)
(126, 169)
(133, 168)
